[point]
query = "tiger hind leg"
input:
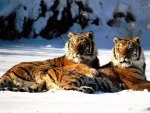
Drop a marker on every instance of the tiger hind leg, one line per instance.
(5, 81)
(12, 83)
(62, 79)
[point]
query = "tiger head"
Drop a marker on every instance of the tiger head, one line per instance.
(80, 47)
(128, 52)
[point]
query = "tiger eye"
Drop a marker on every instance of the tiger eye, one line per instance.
(134, 55)
(130, 45)
(119, 47)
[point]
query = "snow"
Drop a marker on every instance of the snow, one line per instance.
(96, 7)
(40, 24)
(75, 102)
(49, 3)
(74, 10)
(6, 7)
(101, 9)
(60, 8)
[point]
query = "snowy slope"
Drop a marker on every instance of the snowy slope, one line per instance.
(11, 53)
(135, 19)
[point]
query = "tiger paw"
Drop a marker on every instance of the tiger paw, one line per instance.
(87, 89)
(92, 72)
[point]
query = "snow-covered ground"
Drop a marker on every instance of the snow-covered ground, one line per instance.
(11, 53)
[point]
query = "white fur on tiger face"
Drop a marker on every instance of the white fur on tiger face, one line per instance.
(80, 47)
(128, 52)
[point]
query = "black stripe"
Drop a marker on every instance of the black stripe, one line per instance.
(103, 86)
(55, 61)
(112, 81)
(106, 86)
(77, 82)
(60, 71)
(33, 64)
(61, 75)
(98, 85)
(51, 77)
(61, 78)
(28, 73)
(144, 66)
(133, 67)
(72, 72)
(93, 47)
(137, 73)
(70, 43)
(20, 77)
(56, 74)
(128, 79)
(139, 55)
(92, 86)
(114, 53)
(83, 79)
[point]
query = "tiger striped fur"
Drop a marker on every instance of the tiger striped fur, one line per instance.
(66, 79)
(127, 66)
(80, 55)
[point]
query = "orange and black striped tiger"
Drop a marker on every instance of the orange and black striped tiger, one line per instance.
(80, 55)
(127, 66)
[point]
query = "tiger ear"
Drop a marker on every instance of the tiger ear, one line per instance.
(90, 34)
(116, 39)
(137, 39)
(70, 34)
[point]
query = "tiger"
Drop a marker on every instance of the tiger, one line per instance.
(80, 55)
(127, 65)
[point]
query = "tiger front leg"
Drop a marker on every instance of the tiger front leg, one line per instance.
(83, 69)
(87, 89)
(84, 89)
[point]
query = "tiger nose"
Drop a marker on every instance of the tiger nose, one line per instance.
(83, 42)
(124, 56)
